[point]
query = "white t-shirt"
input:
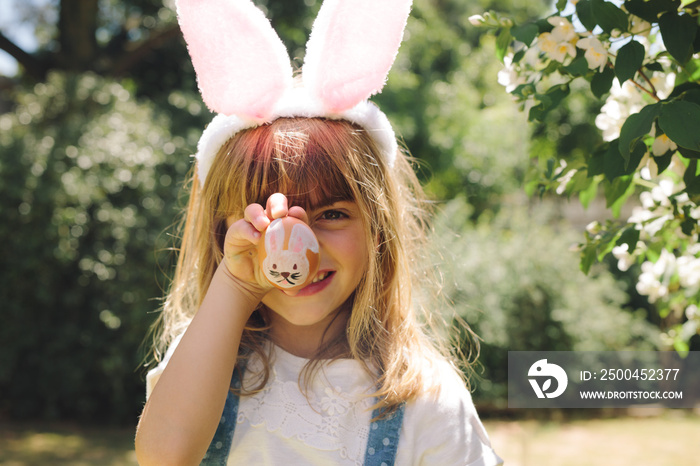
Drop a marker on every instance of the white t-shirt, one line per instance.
(329, 423)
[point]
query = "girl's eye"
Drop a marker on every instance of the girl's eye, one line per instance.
(333, 215)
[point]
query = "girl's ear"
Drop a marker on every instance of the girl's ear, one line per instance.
(352, 46)
(242, 65)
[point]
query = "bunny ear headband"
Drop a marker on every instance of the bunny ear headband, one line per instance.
(245, 75)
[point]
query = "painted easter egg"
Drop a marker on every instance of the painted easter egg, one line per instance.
(289, 254)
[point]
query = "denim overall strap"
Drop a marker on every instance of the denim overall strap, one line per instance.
(217, 453)
(384, 438)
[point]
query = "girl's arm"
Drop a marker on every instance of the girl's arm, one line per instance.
(184, 409)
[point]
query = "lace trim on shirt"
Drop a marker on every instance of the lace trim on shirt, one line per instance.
(331, 420)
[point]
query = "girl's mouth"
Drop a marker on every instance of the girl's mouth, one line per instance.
(320, 281)
(321, 276)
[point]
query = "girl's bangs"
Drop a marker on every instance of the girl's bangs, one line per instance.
(304, 161)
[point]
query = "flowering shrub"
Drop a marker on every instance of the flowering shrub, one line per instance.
(642, 58)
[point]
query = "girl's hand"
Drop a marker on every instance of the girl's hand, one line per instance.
(243, 236)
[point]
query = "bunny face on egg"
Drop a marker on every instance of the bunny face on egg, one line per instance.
(289, 253)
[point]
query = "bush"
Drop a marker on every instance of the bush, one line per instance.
(514, 279)
(88, 181)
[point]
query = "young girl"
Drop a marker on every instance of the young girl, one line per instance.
(341, 371)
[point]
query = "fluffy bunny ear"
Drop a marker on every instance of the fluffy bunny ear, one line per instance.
(352, 46)
(242, 65)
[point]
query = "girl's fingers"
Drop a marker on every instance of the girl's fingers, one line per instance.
(242, 234)
(255, 215)
(277, 206)
(299, 213)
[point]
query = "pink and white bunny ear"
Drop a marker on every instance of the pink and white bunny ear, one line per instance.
(274, 236)
(242, 65)
(302, 238)
(352, 46)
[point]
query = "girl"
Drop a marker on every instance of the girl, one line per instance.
(340, 372)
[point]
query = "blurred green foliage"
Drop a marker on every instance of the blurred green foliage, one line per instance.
(513, 278)
(88, 179)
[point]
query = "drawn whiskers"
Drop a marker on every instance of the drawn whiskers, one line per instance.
(290, 278)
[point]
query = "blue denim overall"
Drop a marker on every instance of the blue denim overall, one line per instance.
(381, 444)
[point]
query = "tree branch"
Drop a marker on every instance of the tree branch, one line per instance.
(131, 58)
(33, 66)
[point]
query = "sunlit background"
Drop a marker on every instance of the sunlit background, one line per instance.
(97, 125)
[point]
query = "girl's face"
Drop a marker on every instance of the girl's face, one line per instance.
(340, 231)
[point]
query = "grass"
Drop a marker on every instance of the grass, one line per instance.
(669, 439)
(40, 445)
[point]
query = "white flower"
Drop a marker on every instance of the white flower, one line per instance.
(610, 120)
(648, 169)
(695, 213)
(653, 227)
(664, 83)
(624, 258)
(663, 144)
(596, 54)
(564, 180)
(476, 20)
(546, 42)
(653, 281)
(662, 192)
(649, 286)
(554, 47)
(689, 271)
(509, 76)
(563, 29)
(593, 228)
(646, 200)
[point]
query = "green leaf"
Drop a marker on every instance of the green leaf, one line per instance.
(678, 33)
(590, 193)
(608, 16)
(614, 165)
(680, 120)
(621, 189)
(649, 11)
(503, 42)
(588, 257)
(691, 178)
(613, 162)
(561, 4)
(629, 236)
(635, 127)
(688, 225)
(596, 164)
(663, 161)
(629, 59)
(654, 66)
(579, 66)
(602, 82)
(692, 95)
(548, 101)
(584, 12)
(525, 33)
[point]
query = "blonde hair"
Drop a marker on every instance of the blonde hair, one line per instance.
(316, 161)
